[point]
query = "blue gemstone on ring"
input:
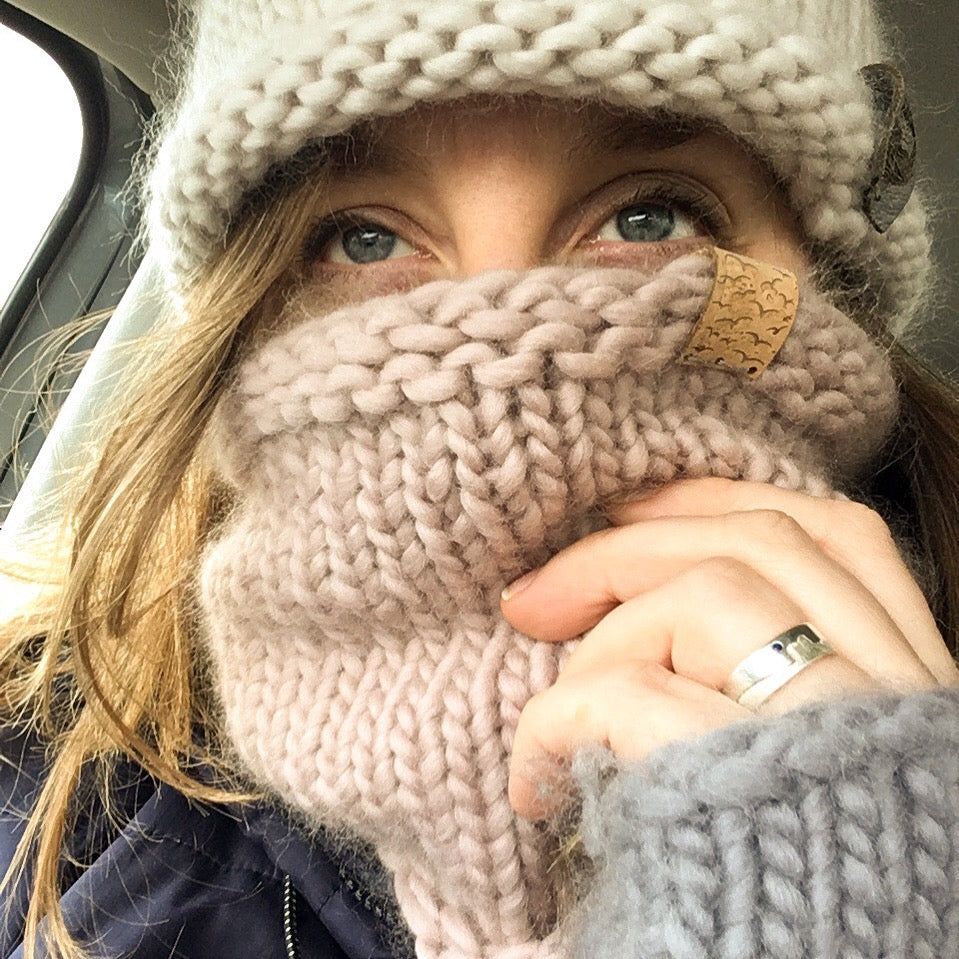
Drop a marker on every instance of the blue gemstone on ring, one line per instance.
(778, 647)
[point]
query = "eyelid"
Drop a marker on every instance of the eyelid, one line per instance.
(338, 222)
(580, 223)
(665, 186)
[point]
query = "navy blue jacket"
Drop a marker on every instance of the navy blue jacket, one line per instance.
(185, 881)
(845, 809)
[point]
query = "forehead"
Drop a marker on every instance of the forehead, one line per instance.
(407, 142)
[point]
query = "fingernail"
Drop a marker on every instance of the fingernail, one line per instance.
(518, 585)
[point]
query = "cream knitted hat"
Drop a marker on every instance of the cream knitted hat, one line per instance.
(267, 77)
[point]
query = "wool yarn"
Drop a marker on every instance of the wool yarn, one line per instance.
(395, 463)
(264, 78)
(832, 831)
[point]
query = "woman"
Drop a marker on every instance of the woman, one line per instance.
(461, 289)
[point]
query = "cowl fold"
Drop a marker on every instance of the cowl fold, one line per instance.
(395, 463)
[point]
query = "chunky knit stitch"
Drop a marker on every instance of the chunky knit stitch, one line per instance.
(833, 831)
(269, 76)
(395, 463)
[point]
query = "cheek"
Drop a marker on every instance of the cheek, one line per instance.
(647, 257)
(326, 287)
(769, 232)
(779, 248)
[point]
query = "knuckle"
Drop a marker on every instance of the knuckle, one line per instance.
(776, 528)
(643, 674)
(864, 521)
(857, 530)
(538, 708)
(591, 700)
(716, 579)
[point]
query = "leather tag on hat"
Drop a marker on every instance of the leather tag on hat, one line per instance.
(749, 314)
(893, 164)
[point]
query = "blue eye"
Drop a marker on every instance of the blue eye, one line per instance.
(362, 244)
(367, 244)
(648, 223)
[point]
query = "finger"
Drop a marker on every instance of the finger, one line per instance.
(736, 613)
(583, 583)
(852, 534)
(632, 709)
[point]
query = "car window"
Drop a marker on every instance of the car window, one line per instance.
(71, 127)
(43, 136)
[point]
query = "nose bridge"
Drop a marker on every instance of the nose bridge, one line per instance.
(497, 243)
(500, 208)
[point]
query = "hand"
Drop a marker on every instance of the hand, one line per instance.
(689, 582)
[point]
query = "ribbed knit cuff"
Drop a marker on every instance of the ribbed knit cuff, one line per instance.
(830, 832)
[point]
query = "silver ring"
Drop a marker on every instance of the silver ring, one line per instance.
(761, 673)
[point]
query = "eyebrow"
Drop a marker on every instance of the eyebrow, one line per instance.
(363, 151)
(616, 131)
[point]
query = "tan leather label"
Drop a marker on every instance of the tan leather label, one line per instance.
(749, 315)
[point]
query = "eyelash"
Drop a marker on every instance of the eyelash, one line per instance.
(326, 230)
(698, 206)
(701, 207)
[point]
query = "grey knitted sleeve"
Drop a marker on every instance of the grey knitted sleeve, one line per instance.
(830, 833)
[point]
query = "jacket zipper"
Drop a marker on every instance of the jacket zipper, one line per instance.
(290, 938)
(291, 898)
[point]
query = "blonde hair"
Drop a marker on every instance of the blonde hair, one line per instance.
(103, 666)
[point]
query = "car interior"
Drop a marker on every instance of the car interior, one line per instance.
(88, 263)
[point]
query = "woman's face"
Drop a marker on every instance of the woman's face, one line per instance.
(450, 190)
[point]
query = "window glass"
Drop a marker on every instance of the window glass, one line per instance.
(41, 132)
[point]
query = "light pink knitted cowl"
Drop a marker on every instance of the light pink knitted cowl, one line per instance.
(396, 463)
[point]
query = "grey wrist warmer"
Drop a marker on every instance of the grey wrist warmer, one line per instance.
(831, 832)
